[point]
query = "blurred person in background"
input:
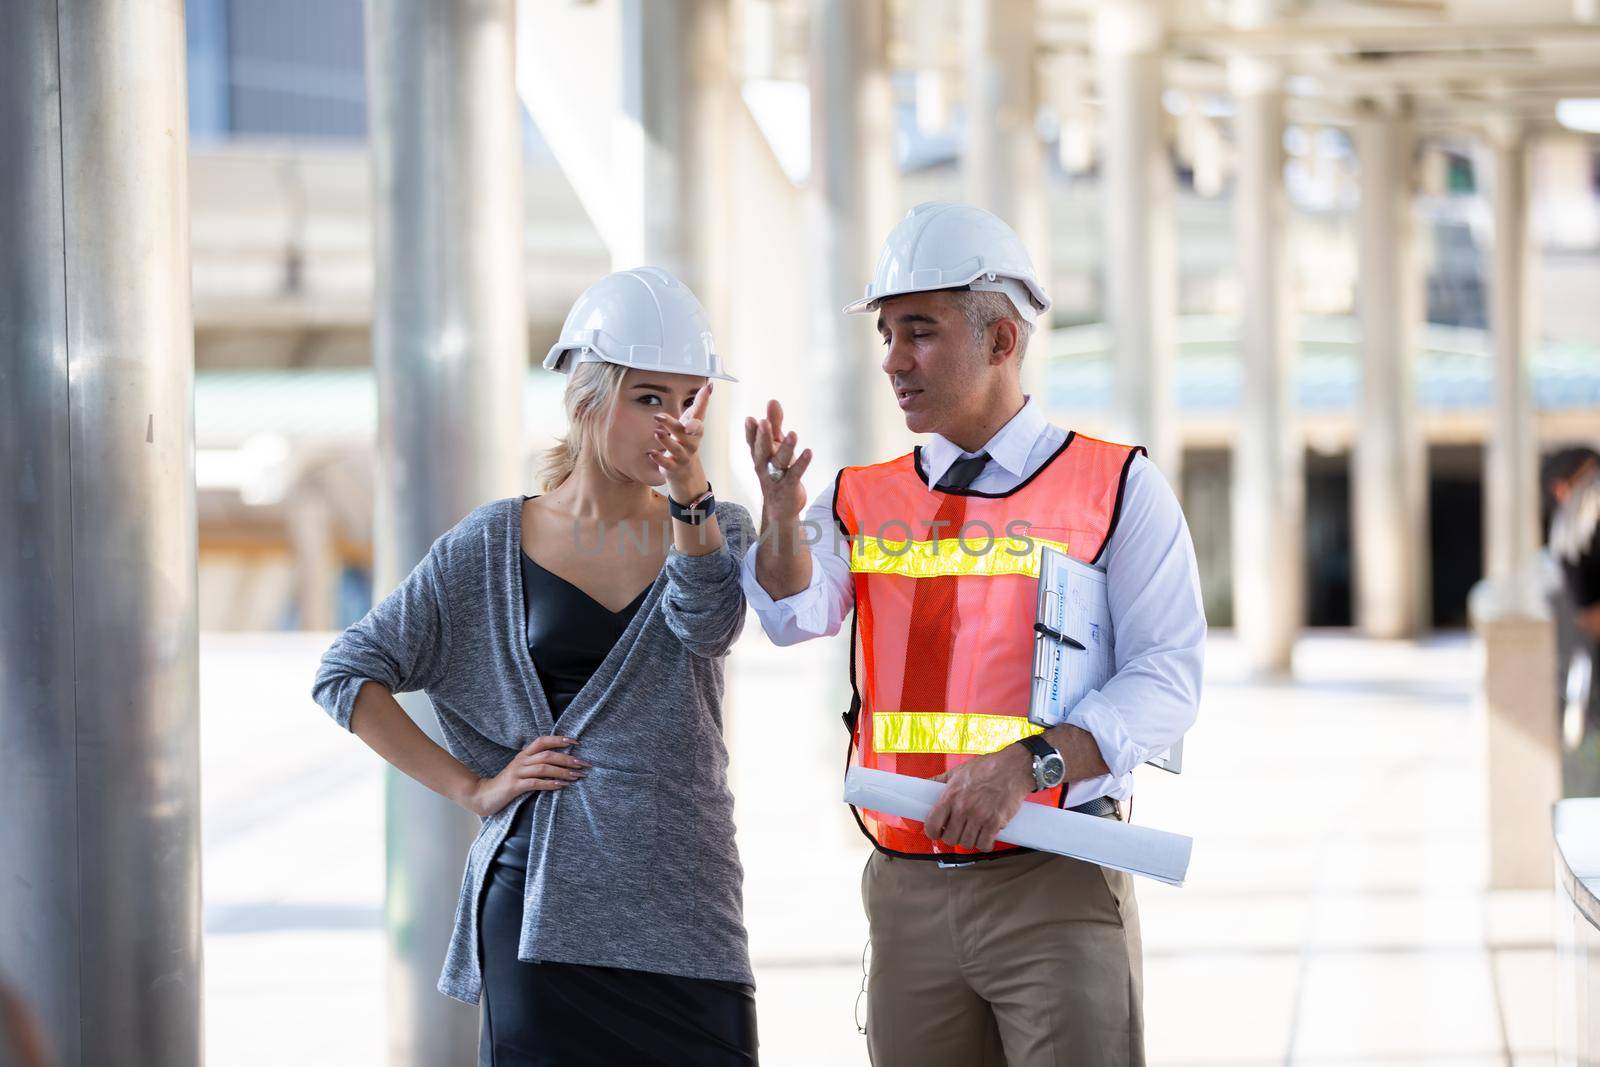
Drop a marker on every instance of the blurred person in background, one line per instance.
(1570, 480)
(572, 644)
(21, 1041)
(982, 952)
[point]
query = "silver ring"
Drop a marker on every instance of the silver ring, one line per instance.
(776, 472)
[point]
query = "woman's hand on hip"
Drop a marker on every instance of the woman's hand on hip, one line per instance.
(544, 765)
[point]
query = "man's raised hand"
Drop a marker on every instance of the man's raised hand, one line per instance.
(777, 467)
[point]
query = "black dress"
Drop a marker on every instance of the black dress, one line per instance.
(558, 1014)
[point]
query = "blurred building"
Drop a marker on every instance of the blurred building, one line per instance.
(281, 199)
(1334, 261)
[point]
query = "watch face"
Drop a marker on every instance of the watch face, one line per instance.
(1053, 768)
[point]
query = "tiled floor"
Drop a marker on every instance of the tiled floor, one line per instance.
(1335, 913)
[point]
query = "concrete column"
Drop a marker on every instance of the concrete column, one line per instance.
(1511, 514)
(1003, 162)
(1522, 747)
(851, 176)
(1268, 458)
(100, 930)
(316, 563)
(850, 415)
(672, 166)
(1508, 608)
(1390, 468)
(937, 81)
(449, 344)
(1141, 271)
(654, 136)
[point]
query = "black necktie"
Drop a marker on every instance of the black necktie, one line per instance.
(963, 472)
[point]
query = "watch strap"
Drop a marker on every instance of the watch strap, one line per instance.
(1036, 744)
(1042, 750)
(695, 512)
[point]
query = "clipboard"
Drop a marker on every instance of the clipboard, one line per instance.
(1074, 643)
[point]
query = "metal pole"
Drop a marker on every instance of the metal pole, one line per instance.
(851, 123)
(1268, 458)
(449, 345)
(100, 901)
(1141, 266)
(1390, 472)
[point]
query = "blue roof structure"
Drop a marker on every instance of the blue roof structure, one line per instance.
(1455, 369)
(1455, 372)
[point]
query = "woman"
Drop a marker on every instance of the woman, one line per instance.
(572, 645)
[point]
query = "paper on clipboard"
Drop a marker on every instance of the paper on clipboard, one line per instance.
(1072, 603)
(1135, 849)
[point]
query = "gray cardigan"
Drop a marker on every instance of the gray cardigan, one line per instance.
(635, 866)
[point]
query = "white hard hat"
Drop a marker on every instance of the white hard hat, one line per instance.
(641, 318)
(954, 246)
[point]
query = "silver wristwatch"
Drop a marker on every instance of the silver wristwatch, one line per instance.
(1049, 769)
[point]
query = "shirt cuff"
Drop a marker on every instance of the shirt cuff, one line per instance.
(789, 607)
(1101, 719)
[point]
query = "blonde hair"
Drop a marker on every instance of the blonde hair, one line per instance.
(591, 395)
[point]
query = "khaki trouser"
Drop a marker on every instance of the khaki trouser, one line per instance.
(1025, 961)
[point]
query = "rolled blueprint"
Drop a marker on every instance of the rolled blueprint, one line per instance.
(1109, 842)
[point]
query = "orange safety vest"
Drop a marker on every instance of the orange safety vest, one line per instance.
(943, 633)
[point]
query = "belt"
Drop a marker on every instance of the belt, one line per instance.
(1102, 805)
(1099, 807)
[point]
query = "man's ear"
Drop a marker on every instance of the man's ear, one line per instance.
(1005, 343)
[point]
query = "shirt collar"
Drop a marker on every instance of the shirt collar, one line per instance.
(1009, 447)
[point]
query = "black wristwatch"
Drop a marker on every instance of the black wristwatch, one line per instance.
(1049, 769)
(696, 511)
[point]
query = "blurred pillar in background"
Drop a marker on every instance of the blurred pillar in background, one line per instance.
(1522, 747)
(312, 538)
(1511, 476)
(1268, 457)
(852, 176)
(100, 928)
(1509, 609)
(1141, 279)
(449, 344)
(1390, 462)
(1003, 161)
(672, 166)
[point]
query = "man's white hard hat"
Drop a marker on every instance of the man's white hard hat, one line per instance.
(641, 318)
(954, 246)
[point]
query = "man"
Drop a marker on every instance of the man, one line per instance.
(983, 952)
(1570, 480)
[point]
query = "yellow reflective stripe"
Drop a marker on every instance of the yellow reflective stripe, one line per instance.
(949, 556)
(947, 732)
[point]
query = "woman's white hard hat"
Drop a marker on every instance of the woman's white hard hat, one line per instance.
(642, 318)
(954, 246)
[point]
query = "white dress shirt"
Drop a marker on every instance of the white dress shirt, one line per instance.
(1153, 590)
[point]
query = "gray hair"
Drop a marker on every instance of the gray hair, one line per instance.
(983, 309)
